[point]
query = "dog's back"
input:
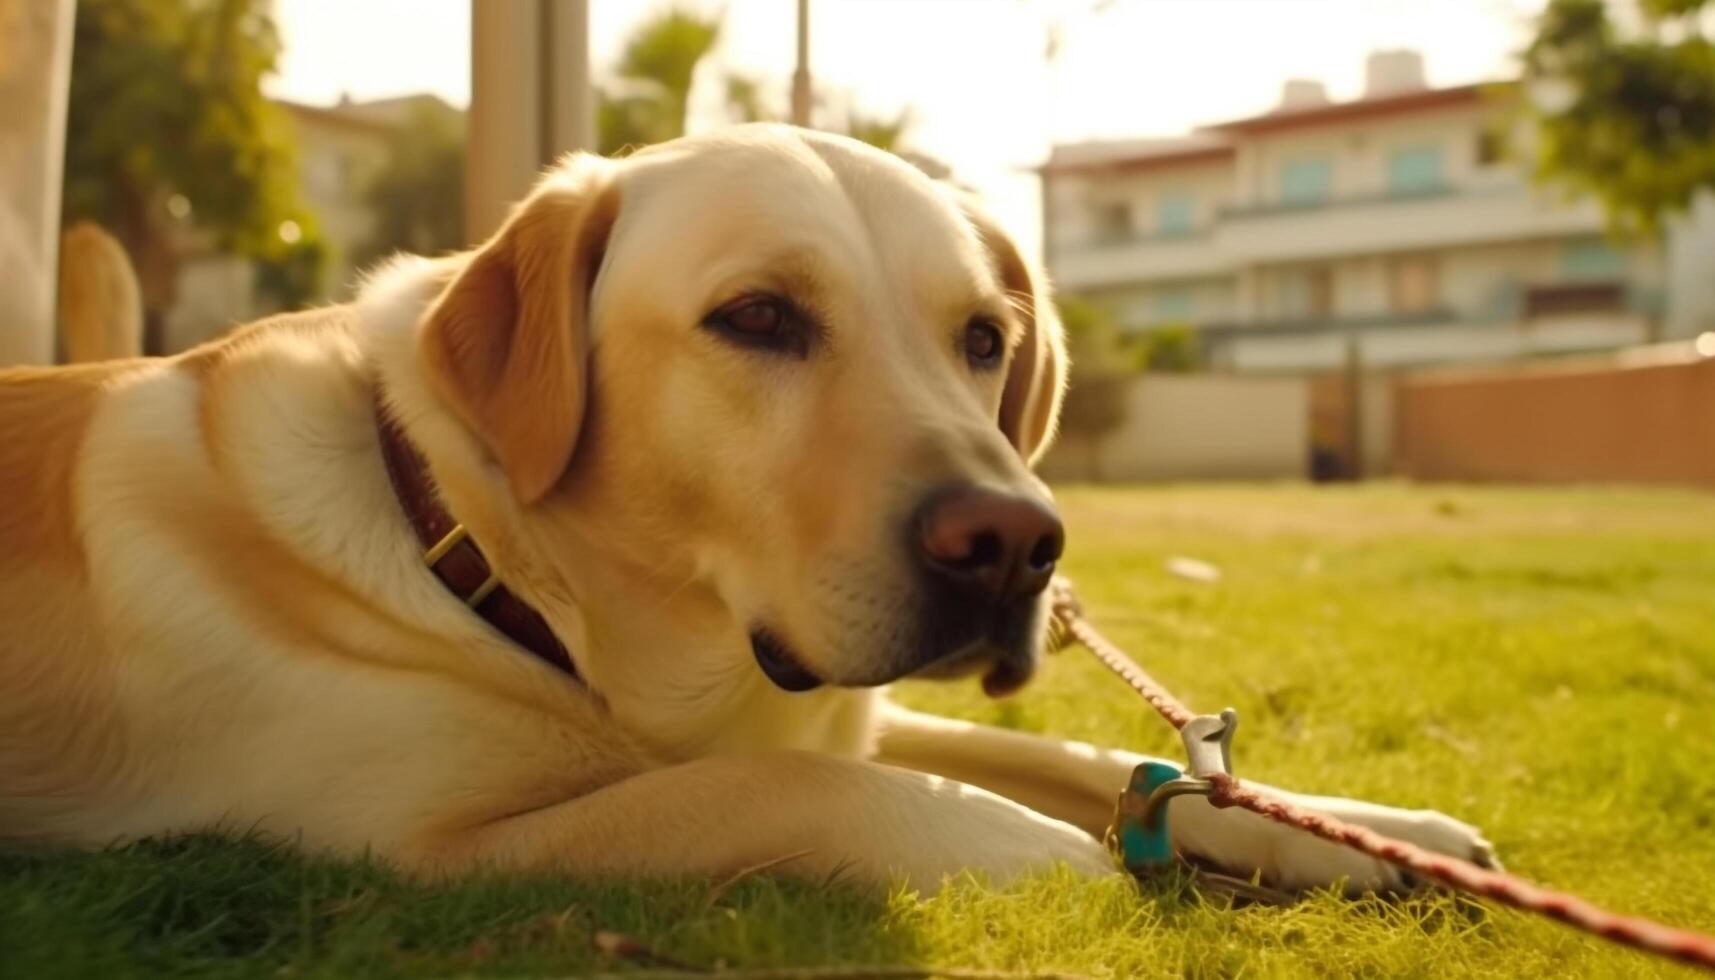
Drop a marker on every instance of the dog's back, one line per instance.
(101, 310)
(55, 678)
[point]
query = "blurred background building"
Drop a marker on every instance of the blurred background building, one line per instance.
(341, 152)
(1398, 228)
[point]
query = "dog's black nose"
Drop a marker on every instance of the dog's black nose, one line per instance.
(992, 545)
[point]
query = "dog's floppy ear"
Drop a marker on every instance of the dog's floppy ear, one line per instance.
(1036, 379)
(506, 345)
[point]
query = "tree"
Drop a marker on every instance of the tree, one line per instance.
(1101, 372)
(882, 132)
(167, 125)
(648, 99)
(747, 101)
(651, 94)
(1625, 111)
(425, 163)
(1169, 349)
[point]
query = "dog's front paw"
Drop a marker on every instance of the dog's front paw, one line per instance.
(1303, 861)
(1428, 829)
(1244, 843)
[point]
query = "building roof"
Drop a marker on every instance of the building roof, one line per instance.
(377, 116)
(1393, 103)
(394, 110)
(1136, 154)
(334, 116)
(1216, 142)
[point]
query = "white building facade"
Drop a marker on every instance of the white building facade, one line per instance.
(1393, 228)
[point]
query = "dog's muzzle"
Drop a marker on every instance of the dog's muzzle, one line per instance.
(985, 557)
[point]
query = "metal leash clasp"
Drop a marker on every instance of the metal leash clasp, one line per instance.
(1140, 823)
(1209, 750)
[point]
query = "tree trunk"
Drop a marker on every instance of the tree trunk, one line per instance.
(156, 259)
(154, 333)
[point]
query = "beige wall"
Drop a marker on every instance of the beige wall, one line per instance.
(1596, 421)
(1209, 183)
(1687, 267)
(1435, 342)
(1359, 152)
(1144, 305)
(1376, 424)
(1196, 427)
(1479, 282)
(337, 161)
(216, 293)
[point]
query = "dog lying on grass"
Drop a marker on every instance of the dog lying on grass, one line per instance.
(591, 548)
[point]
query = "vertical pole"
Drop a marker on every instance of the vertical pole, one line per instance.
(504, 147)
(1045, 185)
(35, 84)
(568, 97)
(801, 75)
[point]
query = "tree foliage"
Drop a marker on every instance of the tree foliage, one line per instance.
(883, 132)
(1171, 349)
(166, 103)
(650, 95)
(648, 98)
(425, 164)
(1624, 104)
(1100, 372)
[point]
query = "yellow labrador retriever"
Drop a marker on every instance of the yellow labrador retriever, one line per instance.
(589, 549)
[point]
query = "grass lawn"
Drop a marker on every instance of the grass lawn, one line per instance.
(1538, 662)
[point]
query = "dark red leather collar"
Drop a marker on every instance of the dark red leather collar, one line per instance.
(453, 557)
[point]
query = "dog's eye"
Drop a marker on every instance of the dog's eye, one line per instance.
(757, 317)
(983, 343)
(768, 322)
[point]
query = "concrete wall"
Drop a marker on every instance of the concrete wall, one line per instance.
(1642, 418)
(337, 161)
(1196, 427)
(1208, 184)
(1377, 425)
(1440, 342)
(1146, 305)
(1690, 262)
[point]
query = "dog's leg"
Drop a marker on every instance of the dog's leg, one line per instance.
(1079, 783)
(718, 815)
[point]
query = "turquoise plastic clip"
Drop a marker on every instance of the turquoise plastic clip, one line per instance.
(1142, 837)
(1139, 832)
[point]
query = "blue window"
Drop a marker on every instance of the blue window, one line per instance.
(1414, 170)
(1176, 214)
(1305, 182)
(1592, 258)
(1173, 304)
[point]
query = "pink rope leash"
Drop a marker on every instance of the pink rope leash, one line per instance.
(1684, 945)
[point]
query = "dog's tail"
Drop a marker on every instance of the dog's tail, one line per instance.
(101, 307)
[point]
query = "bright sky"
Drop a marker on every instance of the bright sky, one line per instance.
(985, 98)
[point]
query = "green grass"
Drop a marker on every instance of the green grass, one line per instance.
(1539, 662)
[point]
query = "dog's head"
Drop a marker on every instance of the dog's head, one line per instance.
(784, 372)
